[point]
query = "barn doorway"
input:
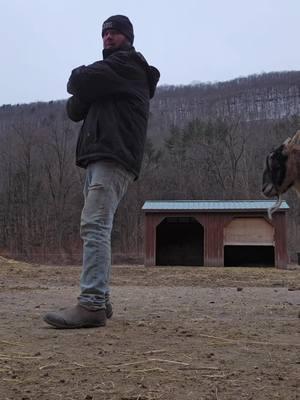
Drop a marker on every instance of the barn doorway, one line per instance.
(249, 242)
(179, 241)
(249, 256)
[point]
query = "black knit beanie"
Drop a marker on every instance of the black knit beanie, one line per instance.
(119, 23)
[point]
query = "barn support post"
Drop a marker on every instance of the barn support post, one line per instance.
(151, 222)
(213, 239)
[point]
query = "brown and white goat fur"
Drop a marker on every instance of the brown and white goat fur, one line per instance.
(282, 171)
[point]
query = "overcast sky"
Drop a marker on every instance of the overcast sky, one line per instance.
(187, 40)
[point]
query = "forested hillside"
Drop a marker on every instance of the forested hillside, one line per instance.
(258, 97)
(205, 141)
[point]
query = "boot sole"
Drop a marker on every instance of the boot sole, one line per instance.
(79, 326)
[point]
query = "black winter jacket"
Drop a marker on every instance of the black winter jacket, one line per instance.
(112, 97)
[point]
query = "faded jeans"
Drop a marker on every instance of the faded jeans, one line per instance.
(105, 184)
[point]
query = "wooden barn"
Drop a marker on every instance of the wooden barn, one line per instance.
(215, 233)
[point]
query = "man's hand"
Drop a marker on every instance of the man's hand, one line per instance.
(77, 110)
(69, 87)
(70, 84)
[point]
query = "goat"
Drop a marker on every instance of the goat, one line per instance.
(282, 171)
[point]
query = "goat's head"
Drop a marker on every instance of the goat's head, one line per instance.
(280, 172)
(275, 180)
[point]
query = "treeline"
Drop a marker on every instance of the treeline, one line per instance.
(269, 96)
(216, 157)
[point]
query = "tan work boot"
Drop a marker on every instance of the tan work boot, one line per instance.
(76, 317)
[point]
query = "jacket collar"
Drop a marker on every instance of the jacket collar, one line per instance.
(108, 52)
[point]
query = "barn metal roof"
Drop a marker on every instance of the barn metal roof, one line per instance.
(211, 205)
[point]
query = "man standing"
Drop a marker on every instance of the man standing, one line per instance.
(112, 98)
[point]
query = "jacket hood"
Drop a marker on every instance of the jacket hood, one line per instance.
(153, 78)
(153, 73)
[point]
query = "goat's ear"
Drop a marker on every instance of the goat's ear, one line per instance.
(287, 141)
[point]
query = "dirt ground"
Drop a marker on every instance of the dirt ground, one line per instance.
(176, 333)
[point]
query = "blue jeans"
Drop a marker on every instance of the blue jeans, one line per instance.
(105, 184)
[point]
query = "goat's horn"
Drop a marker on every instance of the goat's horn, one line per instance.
(296, 137)
(287, 141)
